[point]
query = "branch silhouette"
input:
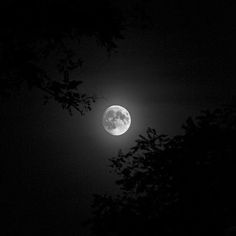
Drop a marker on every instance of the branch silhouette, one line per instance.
(174, 186)
(31, 31)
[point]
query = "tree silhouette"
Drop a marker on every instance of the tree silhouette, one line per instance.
(31, 30)
(174, 186)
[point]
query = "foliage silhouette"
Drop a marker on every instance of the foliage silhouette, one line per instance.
(31, 30)
(174, 186)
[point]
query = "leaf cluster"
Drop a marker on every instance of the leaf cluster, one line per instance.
(170, 185)
(32, 30)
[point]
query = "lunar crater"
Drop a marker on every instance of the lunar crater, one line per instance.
(116, 120)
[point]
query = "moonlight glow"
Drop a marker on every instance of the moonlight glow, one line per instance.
(116, 120)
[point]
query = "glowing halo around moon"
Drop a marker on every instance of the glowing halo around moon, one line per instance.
(116, 120)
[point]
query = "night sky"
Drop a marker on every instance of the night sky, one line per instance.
(53, 162)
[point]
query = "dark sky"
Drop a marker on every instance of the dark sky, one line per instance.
(53, 162)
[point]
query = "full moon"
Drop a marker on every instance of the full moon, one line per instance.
(116, 120)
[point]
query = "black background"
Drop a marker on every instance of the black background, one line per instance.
(51, 162)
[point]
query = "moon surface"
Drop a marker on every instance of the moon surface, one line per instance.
(116, 120)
